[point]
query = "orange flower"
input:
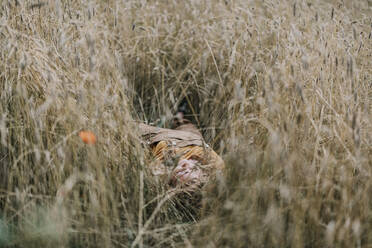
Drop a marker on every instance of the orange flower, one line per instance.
(88, 137)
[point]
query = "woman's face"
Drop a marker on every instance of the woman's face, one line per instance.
(187, 173)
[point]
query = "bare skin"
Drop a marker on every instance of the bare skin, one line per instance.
(186, 172)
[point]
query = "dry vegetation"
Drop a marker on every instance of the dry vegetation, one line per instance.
(281, 89)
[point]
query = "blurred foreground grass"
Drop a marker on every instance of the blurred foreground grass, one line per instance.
(281, 89)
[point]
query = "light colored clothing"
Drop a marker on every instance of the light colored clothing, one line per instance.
(183, 142)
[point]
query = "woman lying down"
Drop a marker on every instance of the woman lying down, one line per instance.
(181, 155)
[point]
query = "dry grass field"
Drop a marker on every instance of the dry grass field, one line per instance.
(281, 89)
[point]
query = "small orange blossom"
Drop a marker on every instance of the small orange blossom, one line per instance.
(88, 137)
